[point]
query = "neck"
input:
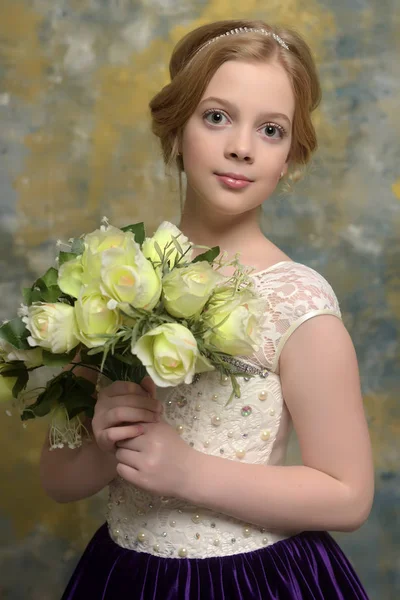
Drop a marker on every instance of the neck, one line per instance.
(232, 233)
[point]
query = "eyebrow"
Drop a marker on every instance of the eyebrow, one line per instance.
(267, 115)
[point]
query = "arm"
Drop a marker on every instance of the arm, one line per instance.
(333, 490)
(69, 475)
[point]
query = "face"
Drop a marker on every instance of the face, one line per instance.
(236, 143)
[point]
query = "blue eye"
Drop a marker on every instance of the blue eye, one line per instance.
(214, 117)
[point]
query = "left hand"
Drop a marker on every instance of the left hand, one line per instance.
(158, 461)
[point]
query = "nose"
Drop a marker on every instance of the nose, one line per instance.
(239, 147)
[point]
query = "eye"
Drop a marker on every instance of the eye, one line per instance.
(214, 116)
(271, 130)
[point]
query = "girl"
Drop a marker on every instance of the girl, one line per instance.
(200, 504)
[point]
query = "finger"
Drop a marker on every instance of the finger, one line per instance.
(148, 384)
(128, 457)
(116, 435)
(128, 473)
(135, 401)
(125, 414)
(124, 388)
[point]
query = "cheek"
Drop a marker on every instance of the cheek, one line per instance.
(195, 145)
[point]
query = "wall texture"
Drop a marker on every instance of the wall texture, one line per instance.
(75, 79)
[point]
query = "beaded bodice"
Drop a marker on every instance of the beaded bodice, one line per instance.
(252, 429)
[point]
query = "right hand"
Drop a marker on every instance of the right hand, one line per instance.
(120, 409)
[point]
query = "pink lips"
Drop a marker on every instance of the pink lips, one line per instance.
(234, 181)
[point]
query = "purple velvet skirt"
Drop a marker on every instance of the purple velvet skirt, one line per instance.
(306, 566)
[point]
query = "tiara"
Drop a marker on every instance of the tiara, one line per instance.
(238, 30)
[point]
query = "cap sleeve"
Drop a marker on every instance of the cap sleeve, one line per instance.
(294, 294)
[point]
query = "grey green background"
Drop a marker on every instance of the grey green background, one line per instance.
(75, 80)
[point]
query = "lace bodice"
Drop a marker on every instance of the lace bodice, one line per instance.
(253, 429)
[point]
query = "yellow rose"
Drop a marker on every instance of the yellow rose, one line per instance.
(163, 237)
(237, 324)
(135, 282)
(6, 387)
(100, 241)
(170, 354)
(70, 277)
(95, 321)
(31, 358)
(52, 327)
(186, 290)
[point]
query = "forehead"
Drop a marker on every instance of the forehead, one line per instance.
(253, 85)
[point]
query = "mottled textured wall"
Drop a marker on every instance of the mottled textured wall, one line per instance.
(75, 79)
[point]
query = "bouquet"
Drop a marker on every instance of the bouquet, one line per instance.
(125, 306)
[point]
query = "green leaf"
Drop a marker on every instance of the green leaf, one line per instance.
(21, 382)
(57, 360)
(138, 231)
(49, 279)
(64, 257)
(177, 245)
(158, 250)
(15, 333)
(52, 294)
(208, 256)
(78, 246)
(87, 386)
(78, 403)
(45, 401)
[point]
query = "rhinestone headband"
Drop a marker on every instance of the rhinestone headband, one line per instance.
(238, 30)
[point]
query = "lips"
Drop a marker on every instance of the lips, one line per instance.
(237, 176)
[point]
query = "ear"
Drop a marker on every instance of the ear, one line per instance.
(285, 168)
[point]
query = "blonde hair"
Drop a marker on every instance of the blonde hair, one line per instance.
(192, 66)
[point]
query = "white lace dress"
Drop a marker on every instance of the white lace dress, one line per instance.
(251, 429)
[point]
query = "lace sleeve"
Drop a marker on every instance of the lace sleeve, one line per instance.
(294, 294)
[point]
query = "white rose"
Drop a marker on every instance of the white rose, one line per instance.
(236, 324)
(163, 236)
(52, 327)
(170, 354)
(187, 290)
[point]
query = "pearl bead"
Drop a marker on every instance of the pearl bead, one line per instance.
(272, 412)
(179, 428)
(164, 534)
(172, 523)
(156, 547)
(198, 407)
(225, 380)
(215, 397)
(265, 541)
(206, 444)
(169, 403)
(182, 552)
(216, 542)
(141, 537)
(262, 395)
(216, 420)
(240, 453)
(265, 435)
(230, 433)
(196, 518)
(116, 531)
(246, 532)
